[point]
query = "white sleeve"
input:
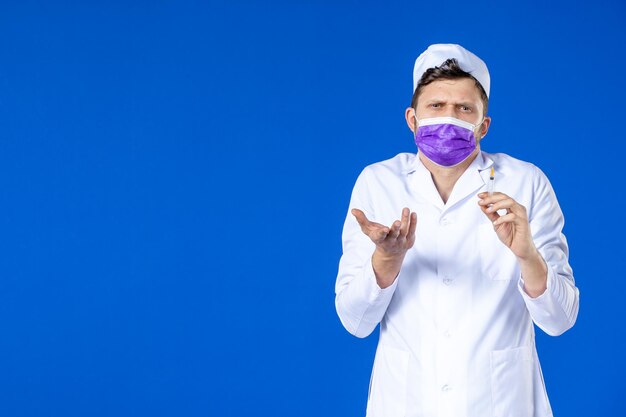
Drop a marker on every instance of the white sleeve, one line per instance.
(360, 302)
(555, 310)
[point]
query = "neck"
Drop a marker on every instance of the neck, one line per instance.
(445, 177)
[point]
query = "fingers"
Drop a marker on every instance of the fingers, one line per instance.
(493, 216)
(515, 212)
(499, 201)
(377, 232)
(379, 235)
(399, 231)
(394, 230)
(404, 224)
(507, 204)
(507, 218)
(409, 223)
(486, 199)
(412, 225)
(366, 225)
(402, 229)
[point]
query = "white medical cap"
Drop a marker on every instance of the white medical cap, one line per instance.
(437, 54)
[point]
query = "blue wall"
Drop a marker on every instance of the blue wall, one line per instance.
(174, 177)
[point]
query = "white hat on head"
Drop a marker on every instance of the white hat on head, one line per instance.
(438, 53)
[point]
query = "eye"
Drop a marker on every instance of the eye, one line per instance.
(466, 109)
(435, 105)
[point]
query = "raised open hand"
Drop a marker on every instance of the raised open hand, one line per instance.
(394, 240)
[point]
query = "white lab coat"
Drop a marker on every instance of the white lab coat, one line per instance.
(456, 327)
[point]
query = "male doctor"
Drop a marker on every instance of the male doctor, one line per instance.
(456, 253)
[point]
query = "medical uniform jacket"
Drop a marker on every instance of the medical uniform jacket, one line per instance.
(456, 326)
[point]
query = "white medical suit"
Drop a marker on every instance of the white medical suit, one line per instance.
(456, 326)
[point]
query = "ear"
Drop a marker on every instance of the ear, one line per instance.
(484, 128)
(409, 115)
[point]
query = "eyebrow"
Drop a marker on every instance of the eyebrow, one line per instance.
(460, 103)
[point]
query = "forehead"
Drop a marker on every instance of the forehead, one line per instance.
(458, 90)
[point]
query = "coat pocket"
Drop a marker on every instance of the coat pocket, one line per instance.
(388, 385)
(497, 261)
(512, 382)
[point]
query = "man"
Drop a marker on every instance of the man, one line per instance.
(455, 272)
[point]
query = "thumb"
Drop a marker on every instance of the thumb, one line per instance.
(360, 217)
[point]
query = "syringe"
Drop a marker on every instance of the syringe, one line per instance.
(491, 182)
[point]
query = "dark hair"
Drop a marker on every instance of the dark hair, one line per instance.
(449, 70)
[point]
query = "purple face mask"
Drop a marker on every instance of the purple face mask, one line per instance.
(445, 140)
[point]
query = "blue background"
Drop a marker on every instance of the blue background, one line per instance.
(174, 177)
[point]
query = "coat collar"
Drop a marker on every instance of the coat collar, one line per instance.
(475, 176)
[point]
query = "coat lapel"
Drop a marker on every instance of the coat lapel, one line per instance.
(424, 185)
(472, 180)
